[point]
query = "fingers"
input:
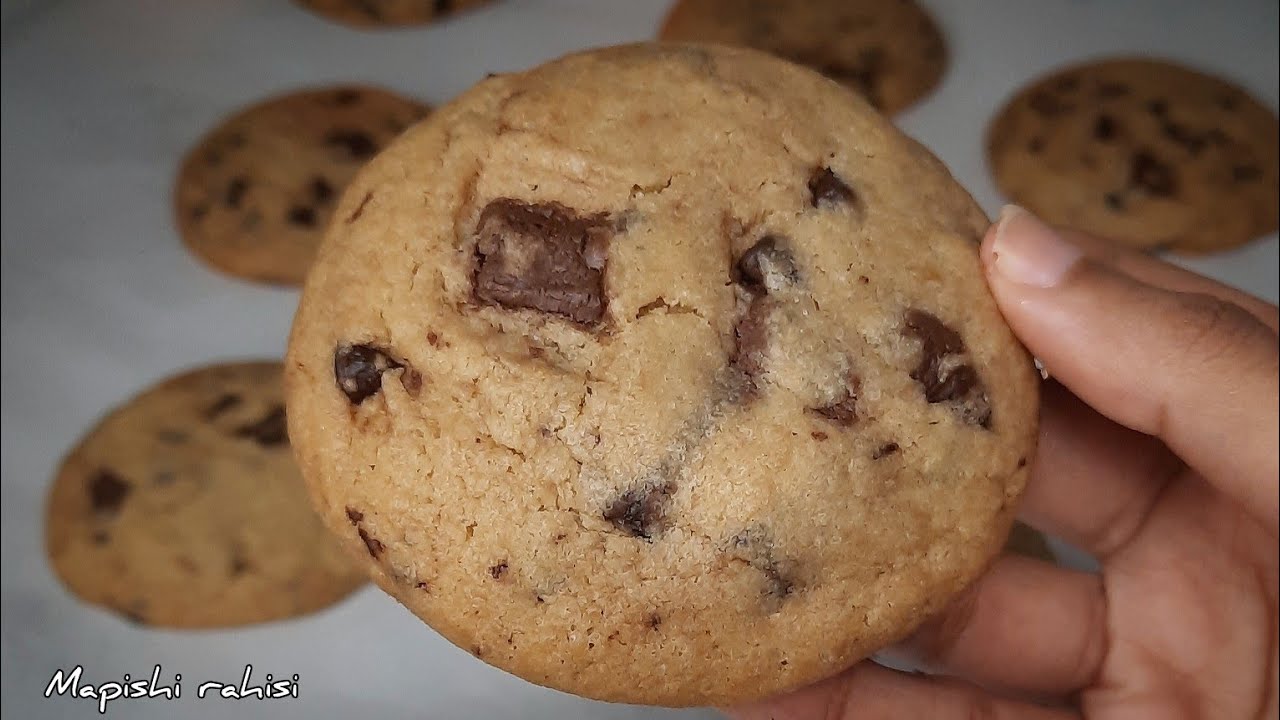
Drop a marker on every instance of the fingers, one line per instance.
(1196, 371)
(1154, 271)
(1093, 482)
(1026, 626)
(870, 692)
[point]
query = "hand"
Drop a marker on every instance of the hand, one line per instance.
(1158, 454)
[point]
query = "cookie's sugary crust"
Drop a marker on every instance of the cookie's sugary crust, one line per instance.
(890, 51)
(184, 508)
(661, 374)
(254, 195)
(1151, 154)
(388, 13)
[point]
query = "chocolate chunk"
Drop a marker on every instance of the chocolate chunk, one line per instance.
(767, 265)
(224, 403)
(1114, 200)
(355, 214)
(751, 338)
(542, 257)
(885, 450)
(819, 435)
(321, 190)
(356, 143)
(302, 216)
(358, 370)
(843, 411)
(942, 371)
(346, 96)
(641, 511)
(1112, 90)
(1151, 175)
(1104, 128)
(107, 492)
(235, 191)
(497, 571)
(1047, 104)
(270, 431)
(827, 190)
(371, 543)
(755, 547)
(354, 515)
(1245, 173)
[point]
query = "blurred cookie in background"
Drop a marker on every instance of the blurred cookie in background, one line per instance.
(184, 508)
(388, 13)
(254, 195)
(889, 51)
(1151, 154)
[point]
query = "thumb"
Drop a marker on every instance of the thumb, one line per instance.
(1196, 371)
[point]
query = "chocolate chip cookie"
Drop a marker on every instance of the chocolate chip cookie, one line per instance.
(184, 508)
(254, 195)
(889, 51)
(1148, 153)
(661, 374)
(388, 13)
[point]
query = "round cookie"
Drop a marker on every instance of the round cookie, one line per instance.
(890, 51)
(254, 194)
(1148, 153)
(661, 374)
(184, 508)
(387, 13)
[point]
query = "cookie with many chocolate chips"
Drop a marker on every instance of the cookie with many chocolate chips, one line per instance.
(184, 508)
(388, 13)
(889, 51)
(661, 374)
(254, 195)
(1148, 153)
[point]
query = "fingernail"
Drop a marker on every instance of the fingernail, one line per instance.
(1028, 252)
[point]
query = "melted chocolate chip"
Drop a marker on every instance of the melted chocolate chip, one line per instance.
(239, 563)
(751, 340)
(1035, 145)
(442, 6)
(655, 621)
(942, 371)
(755, 547)
(767, 265)
(827, 190)
(107, 492)
(542, 257)
(236, 189)
(1047, 104)
(1151, 175)
(641, 511)
(320, 189)
(1157, 107)
(1114, 201)
(497, 571)
(356, 143)
(1192, 141)
(302, 216)
(844, 410)
(358, 370)
(224, 403)
(354, 515)
(346, 96)
(885, 450)
(371, 543)
(1245, 173)
(1112, 90)
(270, 431)
(1104, 128)
(198, 211)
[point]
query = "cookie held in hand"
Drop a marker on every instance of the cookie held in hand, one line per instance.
(661, 374)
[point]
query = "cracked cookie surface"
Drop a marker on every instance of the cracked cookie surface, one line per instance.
(254, 195)
(661, 374)
(889, 51)
(184, 508)
(1148, 153)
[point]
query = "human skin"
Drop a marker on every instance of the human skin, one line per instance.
(1158, 455)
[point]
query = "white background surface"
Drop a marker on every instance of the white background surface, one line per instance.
(100, 99)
